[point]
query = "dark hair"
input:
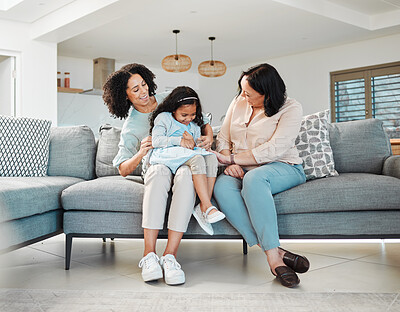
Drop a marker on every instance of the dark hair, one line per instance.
(114, 95)
(266, 80)
(174, 100)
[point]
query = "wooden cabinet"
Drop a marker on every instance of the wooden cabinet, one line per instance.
(69, 90)
(395, 146)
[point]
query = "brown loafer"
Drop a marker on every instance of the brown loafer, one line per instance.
(297, 263)
(286, 276)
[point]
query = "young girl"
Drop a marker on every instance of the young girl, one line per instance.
(175, 126)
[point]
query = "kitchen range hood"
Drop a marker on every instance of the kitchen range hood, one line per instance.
(102, 68)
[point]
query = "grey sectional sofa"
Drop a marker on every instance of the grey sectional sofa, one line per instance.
(30, 207)
(363, 201)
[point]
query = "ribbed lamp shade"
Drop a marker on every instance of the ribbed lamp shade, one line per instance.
(176, 63)
(212, 68)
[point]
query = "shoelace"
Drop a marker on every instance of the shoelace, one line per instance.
(148, 260)
(171, 263)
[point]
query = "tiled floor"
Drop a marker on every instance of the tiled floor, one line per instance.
(371, 266)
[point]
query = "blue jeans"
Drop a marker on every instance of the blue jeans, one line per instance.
(248, 203)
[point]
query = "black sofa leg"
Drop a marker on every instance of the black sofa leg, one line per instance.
(244, 247)
(68, 248)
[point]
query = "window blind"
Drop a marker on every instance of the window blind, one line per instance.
(368, 92)
(385, 95)
(350, 100)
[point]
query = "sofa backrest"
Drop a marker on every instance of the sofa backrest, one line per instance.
(359, 146)
(107, 148)
(72, 152)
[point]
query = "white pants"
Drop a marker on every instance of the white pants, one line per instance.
(157, 182)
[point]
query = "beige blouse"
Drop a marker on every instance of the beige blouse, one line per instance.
(269, 138)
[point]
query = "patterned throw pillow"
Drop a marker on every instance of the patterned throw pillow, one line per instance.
(314, 147)
(24, 146)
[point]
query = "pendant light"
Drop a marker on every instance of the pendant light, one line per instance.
(212, 68)
(178, 62)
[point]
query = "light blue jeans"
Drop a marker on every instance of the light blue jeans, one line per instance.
(248, 203)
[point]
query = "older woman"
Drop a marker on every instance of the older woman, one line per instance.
(256, 142)
(130, 93)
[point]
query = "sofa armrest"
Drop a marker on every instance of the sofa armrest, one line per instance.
(391, 166)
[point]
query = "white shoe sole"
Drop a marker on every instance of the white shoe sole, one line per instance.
(199, 221)
(152, 276)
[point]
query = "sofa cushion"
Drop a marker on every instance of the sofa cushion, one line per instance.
(24, 146)
(114, 193)
(107, 148)
(22, 197)
(359, 146)
(72, 152)
(346, 192)
(314, 148)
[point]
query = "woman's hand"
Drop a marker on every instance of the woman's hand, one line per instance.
(145, 146)
(204, 142)
(222, 159)
(187, 141)
(234, 171)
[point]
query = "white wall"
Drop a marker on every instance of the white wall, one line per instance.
(37, 95)
(6, 86)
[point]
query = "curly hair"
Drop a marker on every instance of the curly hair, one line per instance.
(115, 96)
(176, 99)
(266, 80)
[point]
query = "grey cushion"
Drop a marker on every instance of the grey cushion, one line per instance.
(391, 166)
(21, 196)
(346, 192)
(113, 193)
(107, 148)
(359, 146)
(103, 222)
(72, 152)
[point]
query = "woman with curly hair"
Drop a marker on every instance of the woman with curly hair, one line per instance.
(130, 94)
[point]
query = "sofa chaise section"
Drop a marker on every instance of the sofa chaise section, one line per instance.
(30, 207)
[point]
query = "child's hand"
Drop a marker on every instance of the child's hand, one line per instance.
(204, 142)
(145, 146)
(187, 141)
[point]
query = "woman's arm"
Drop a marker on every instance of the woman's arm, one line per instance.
(245, 158)
(131, 164)
(282, 140)
(284, 136)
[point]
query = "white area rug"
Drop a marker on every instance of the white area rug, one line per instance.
(33, 300)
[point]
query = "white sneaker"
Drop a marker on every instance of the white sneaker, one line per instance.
(173, 274)
(214, 217)
(199, 216)
(151, 269)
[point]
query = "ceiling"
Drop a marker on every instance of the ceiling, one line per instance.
(246, 31)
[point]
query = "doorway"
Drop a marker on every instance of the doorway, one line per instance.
(8, 105)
